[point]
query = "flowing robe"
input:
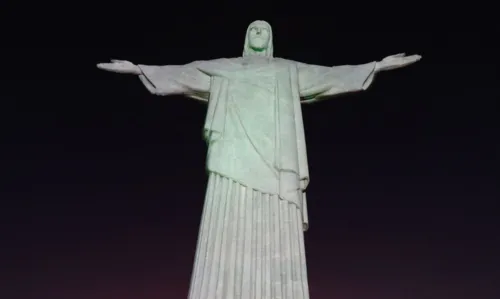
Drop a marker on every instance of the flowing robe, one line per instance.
(251, 241)
(253, 126)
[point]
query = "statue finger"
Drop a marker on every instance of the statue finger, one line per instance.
(104, 66)
(417, 57)
(110, 67)
(412, 58)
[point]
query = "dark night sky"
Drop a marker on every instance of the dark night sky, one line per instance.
(103, 183)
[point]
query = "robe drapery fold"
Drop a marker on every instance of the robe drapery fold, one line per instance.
(254, 126)
(318, 82)
(250, 246)
(176, 79)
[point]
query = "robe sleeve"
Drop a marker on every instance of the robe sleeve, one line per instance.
(317, 82)
(176, 79)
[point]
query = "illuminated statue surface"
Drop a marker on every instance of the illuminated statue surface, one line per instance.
(251, 238)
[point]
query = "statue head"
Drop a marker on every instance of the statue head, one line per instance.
(259, 39)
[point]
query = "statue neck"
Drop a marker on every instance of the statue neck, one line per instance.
(252, 52)
(258, 53)
(256, 59)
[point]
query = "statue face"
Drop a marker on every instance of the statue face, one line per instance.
(258, 37)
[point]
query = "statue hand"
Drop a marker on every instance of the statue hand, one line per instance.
(396, 61)
(120, 66)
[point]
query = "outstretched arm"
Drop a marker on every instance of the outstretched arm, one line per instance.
(319, 82)
(165, 80)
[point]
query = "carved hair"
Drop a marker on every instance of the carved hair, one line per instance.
(247, 50)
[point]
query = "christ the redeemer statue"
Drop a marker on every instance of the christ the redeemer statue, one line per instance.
(251, 240)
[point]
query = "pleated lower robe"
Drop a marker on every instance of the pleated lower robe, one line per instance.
(250, 246)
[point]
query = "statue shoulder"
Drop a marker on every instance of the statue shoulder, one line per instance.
(216, 66)
(284, 61)
(218, 62)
